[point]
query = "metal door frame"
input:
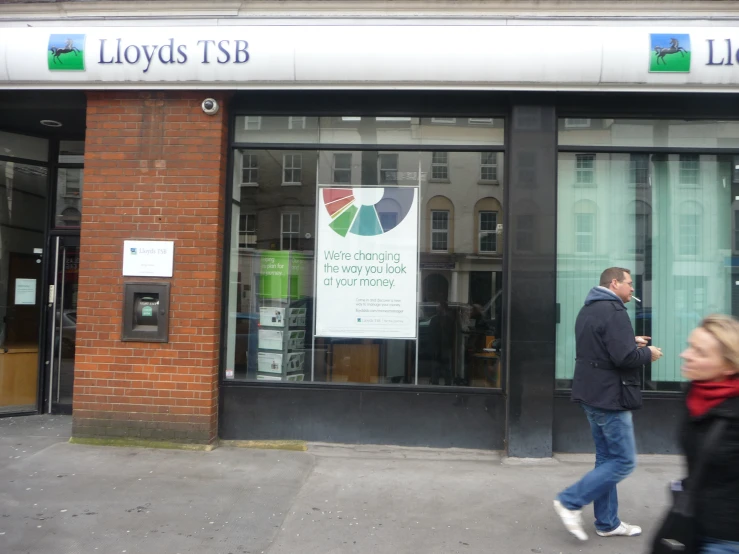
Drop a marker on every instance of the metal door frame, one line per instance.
(52, 358)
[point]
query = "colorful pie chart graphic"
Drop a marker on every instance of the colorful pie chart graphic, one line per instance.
(367, 211)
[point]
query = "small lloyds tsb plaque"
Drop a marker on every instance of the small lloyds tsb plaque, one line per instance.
(148, 258)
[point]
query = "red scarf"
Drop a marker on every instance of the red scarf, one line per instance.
(704, 395)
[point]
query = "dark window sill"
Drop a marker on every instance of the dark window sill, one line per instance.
(408, 389)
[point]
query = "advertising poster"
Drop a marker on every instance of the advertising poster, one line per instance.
(274, 275)
(282, 275)
(366, 262)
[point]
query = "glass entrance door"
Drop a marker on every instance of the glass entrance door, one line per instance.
(63, 322)
(23, 195)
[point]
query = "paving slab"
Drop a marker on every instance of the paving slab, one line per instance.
(59, 498)
(70, 498)
(368, 506)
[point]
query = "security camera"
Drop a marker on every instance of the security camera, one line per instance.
(210, 106)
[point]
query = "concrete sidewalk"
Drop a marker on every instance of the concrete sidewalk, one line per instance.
(61, 498)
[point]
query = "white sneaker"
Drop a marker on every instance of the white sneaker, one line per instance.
(623, 530)
(572, 520)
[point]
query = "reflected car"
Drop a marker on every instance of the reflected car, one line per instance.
(66, 332)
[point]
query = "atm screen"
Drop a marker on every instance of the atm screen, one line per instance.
(146, 310)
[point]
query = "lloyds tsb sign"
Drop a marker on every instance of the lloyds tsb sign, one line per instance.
(721, 52)
(118, 51)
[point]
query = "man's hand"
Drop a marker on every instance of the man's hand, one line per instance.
(641, 341)
(656, 353)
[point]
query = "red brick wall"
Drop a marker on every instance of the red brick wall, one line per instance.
(155, 168)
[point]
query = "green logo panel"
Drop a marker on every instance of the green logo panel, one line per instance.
(670, 53)
(66, 52)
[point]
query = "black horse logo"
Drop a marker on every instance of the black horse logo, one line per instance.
(673, 49)
(68, 47)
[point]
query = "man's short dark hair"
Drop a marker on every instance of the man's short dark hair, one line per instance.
(612, 273)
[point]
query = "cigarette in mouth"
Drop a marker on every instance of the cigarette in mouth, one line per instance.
(637, 299)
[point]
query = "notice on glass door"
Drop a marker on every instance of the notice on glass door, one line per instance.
(25, 292)
(367, 262)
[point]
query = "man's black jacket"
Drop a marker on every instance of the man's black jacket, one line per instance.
(606, 352)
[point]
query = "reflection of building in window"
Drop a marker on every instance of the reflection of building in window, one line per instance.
(435, 288)
(438, 235)
(71, 217)
(342, 169)
(577, 123)
(296, 122)
(71, 151)
(72, 181)
(290, 232)
(488, 166)
(249, 169)
(487, 232)
(585, 169)
(440, 166)
(72, 186)
(584, 211)
(488, 121)
(639, 169)
(584, 233)
(247, 230)
(689, 167)
(525, 233)
(9, 178)
(292, 169)
(485, 224)
(690, 297)
(253, 122)
(689, 224)
(388, 168)
(639, 228)
(440, 230)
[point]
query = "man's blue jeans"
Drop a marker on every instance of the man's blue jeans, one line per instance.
(615, 459)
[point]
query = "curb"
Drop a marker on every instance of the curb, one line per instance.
(295, 445)
(140, 443)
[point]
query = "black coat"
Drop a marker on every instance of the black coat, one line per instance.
(717, 496)
(606, 352)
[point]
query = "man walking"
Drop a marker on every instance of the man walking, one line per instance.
(607, 386)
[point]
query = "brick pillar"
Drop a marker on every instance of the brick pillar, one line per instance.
(155, 169)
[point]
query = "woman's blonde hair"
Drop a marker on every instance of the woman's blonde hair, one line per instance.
(726, 330)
